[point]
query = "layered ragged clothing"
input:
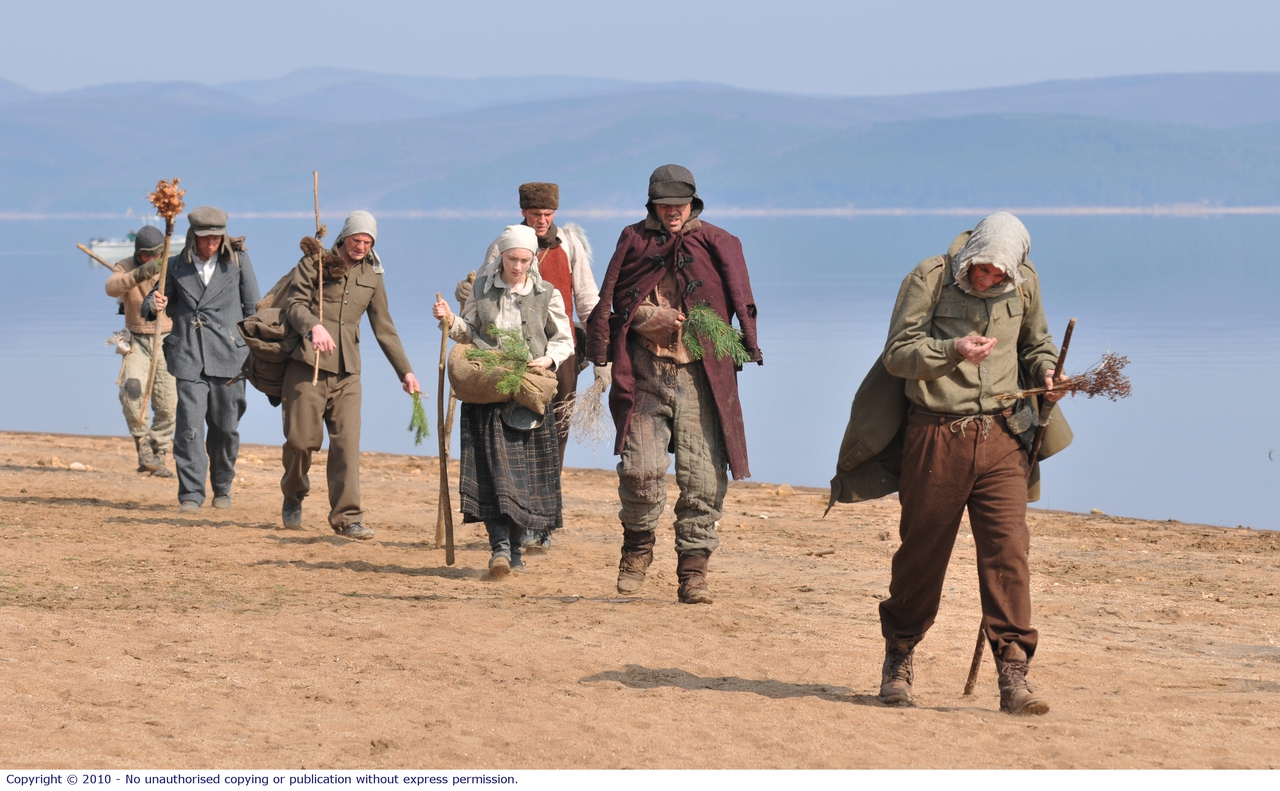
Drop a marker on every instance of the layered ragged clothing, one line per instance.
(709, 268)
(137, 363)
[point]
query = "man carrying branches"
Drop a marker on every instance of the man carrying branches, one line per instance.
(353, 286)
(963, 326)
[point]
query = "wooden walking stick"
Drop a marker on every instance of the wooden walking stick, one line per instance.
(168, 202)
(320, 231)
(448, 433)
(446, 507)
(95, 257)
(1046, 410)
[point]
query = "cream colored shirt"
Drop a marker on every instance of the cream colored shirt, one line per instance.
(559, 343)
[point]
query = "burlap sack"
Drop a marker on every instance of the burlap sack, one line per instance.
(473, 386)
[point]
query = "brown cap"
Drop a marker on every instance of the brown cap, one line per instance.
(207, 221)
(540, 195)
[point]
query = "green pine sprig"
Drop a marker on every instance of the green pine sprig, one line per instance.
(418, 423)
(701, 321)
(511, 359)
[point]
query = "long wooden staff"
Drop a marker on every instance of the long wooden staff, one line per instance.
(446, 507)
(95, 257)
(168, 202)
(1046, 410)
(448, 432)
(320, 229)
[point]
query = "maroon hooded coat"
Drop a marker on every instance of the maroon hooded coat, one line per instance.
(710, 269)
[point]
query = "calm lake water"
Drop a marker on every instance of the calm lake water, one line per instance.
(1191, 302)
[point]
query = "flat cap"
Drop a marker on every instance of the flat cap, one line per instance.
(540, 195)
(672, 185)
(207, 221)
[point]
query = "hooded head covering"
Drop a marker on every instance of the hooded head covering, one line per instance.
(149, 239)
(361, 222)
(1000, 240)
(674, 185)
(521, 236)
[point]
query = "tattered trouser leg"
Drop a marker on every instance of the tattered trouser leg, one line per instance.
(207, 401)
(943, 472)
(332, 403)
(164, 395)
(674, 410)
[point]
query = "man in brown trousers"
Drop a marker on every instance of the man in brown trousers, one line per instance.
(133, 279)
(352, 287)
(963, 327)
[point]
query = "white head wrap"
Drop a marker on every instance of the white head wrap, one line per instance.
(521, 236)
(361, 222)
(1000, 240)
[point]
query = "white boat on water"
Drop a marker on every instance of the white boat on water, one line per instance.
(112, 250)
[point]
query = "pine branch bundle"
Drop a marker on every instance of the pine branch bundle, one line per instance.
(1104, 379)
(702, 321)
(418, 422)
(511, 359)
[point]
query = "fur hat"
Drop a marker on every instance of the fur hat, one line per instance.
(539, 195)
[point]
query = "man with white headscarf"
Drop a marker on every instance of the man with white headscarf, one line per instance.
(964, 327)
(353, 286)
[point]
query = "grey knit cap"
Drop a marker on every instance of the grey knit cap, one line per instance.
(674, 185)
(149, 239)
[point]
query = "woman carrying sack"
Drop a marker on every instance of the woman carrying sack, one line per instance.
(510, 453)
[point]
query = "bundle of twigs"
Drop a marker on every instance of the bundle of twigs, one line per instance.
(701, 321)
(588, 418)
(1104, 379)
(510, 359)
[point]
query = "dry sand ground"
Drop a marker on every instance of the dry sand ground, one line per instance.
(134, 636)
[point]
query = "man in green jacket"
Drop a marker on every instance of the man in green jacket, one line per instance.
(962, 329)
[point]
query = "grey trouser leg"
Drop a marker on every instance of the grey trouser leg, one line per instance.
(504, 538)
(201, 402)
(674, 408)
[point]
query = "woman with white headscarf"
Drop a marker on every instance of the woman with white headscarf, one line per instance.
(510, 455)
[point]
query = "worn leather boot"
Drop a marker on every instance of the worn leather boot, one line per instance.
(691, 568)
(162, 466)
(147, 461)
(896, 674)
(1016, 695)
(637, 554)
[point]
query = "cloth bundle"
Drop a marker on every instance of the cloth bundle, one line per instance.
(473, 386)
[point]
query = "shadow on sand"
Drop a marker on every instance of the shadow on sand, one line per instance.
(640, 677)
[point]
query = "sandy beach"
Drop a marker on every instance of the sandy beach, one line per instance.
(138, 637)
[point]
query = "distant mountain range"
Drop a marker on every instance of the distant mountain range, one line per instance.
(389, 142)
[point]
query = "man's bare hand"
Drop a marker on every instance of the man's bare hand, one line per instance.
(410, 384)
(322, 341)
(975, 348)
(161, 302)
(1052, 396)
(665, 322)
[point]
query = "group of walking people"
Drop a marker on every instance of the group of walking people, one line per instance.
(967, 325)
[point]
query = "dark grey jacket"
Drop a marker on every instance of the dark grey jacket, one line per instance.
(204, 337)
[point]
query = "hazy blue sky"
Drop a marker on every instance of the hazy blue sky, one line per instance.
(797, 45)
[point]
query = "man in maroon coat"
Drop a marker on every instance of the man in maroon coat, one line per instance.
(662, 399)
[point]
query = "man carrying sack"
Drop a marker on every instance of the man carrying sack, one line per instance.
(353, 286)
(133, 279)
(965, 327)
(210, 288)
(662, 396)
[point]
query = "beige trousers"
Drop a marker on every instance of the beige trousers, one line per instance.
(334, 404)
(164, 395)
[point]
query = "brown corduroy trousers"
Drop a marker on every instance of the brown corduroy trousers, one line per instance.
(948, 466)
(333, 403)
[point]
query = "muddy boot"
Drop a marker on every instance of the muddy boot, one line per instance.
(691, 568)
(1016, 696)
(146, 457)
(896, 674)
(637, 554)
(162, 466)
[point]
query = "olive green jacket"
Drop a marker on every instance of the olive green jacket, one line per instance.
(920, 365)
